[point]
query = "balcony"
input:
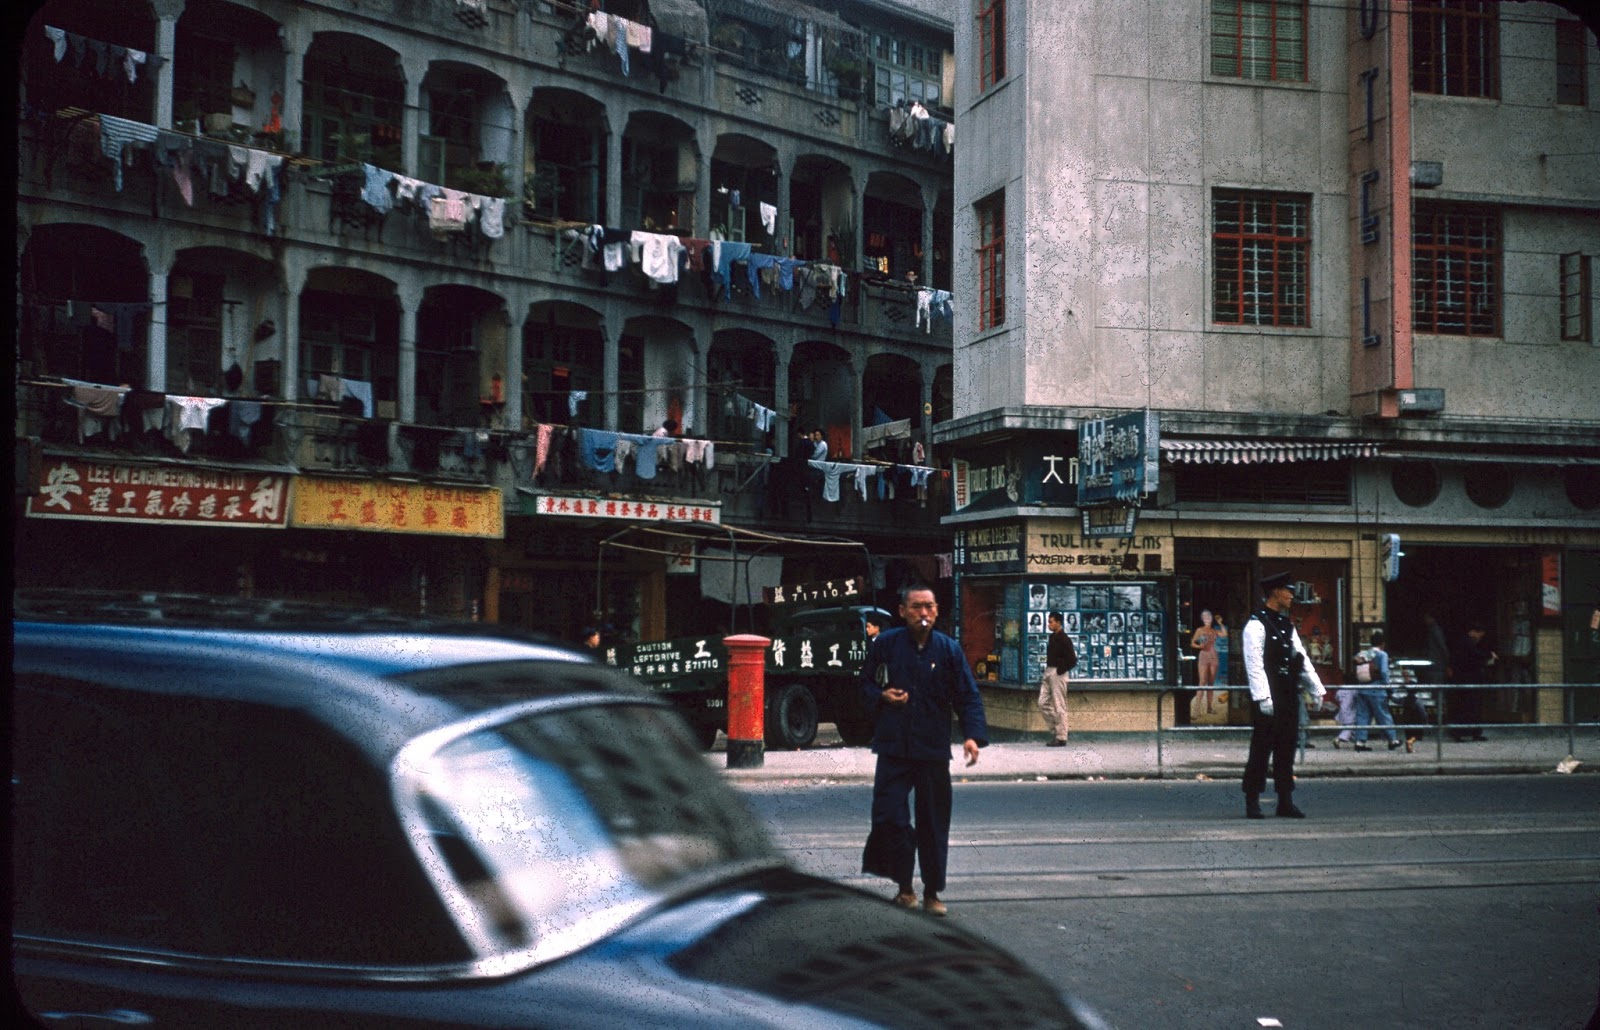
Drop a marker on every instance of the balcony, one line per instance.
(305, 436)
(872, 304)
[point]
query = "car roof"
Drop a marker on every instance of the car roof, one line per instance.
(378, 677)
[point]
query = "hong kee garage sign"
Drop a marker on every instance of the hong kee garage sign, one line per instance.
(69, 488)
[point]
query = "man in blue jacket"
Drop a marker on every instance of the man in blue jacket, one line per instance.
(914, 677)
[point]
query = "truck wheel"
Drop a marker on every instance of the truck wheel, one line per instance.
(855, 733)
(791, 717)
(705, 734)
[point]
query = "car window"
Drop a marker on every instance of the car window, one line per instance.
(558, 825)
(213, 827)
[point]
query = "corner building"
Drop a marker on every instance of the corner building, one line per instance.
(1343, 256)
(382, 302)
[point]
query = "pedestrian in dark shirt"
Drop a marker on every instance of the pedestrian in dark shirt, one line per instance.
(912, 681)
(1059, 659)
(1470, 665)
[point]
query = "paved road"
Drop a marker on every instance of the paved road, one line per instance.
(1410, 902)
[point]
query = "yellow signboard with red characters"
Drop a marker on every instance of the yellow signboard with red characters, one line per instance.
(381, 506)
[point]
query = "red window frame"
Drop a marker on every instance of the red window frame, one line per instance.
(1572, 86)
(991, 43)
(1455, 269)
(1261, 258)
(1455, 48)
(1229, 46)
(991, 252)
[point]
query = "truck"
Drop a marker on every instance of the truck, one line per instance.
(819, 643)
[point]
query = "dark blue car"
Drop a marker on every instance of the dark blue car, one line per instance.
(260, 814)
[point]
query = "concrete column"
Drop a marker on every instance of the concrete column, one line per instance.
(610, 375)
(780, 396)
(929, 372)
(156, 347)
(702, 192)
(925, 266)
(613, 211)
(406, 377)
(294, 92)
(289, 334)
(782, 244)
(858, 372)
(411, 117)
(517, 305)
(159, 65)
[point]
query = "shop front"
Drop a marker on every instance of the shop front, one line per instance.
(1115, 598)
(125, 525)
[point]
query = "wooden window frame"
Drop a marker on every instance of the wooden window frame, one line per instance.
(1455, 48)
(1576, 312)
(991, 259)
(1457, 244)
(1268, 255)
(1280, 67)
(991, 43)
(1572, 66)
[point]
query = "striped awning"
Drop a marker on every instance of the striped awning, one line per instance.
(1260, 452)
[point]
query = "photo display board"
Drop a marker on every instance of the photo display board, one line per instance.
(1119, 629)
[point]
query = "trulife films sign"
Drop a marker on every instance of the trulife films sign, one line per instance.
(1119, 459)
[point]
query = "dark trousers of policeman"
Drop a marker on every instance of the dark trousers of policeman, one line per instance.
(1273, 736)
(893, 846)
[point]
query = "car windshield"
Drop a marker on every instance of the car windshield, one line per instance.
(547, 828)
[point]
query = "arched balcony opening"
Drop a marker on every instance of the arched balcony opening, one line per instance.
(354, 101)
(659, 174)
(891, 229)
(744, 178)
(565, 177)
(821, 210)
(461, 342)
(467, 124)
(741, 372)
(563, 364)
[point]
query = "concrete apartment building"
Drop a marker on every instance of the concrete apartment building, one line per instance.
(383, 301)
(1342, 255)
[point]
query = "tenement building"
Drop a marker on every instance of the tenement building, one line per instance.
(1278, 286)
(416, 302)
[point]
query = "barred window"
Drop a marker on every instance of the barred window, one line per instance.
(1259, 39)
(991, 43)
(1261, 256)
(991, 214)
(1576, 321)
(1455, 48)
(1455, 269)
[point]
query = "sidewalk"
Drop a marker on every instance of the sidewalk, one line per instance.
(1195, 754)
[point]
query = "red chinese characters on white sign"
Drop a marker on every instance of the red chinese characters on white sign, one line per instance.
(646, 511)
(109, 492)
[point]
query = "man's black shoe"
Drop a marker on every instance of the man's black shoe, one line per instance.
(1252, 808)
(1288, 811)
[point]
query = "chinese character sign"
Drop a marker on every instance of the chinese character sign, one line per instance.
(1118, 458)
(641, 511)
(375, 505)
(70, 488)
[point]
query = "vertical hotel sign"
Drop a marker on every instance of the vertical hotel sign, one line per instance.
(1379, 68)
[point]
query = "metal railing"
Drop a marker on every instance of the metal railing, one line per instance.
(1436, 706)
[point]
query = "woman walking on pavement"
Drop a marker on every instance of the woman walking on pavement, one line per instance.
(1372, 701)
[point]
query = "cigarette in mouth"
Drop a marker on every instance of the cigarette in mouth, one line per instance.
(924, 623)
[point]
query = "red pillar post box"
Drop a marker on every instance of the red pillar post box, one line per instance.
(747, 676)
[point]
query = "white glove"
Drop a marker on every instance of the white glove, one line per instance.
(1265, 705)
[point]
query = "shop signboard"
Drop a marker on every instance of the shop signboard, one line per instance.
(827, 592)
(1057, 545)
(383, 506)
(73, 488)
(1119, 458)
(624, 510)
(1041, 469)
(989, 549)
